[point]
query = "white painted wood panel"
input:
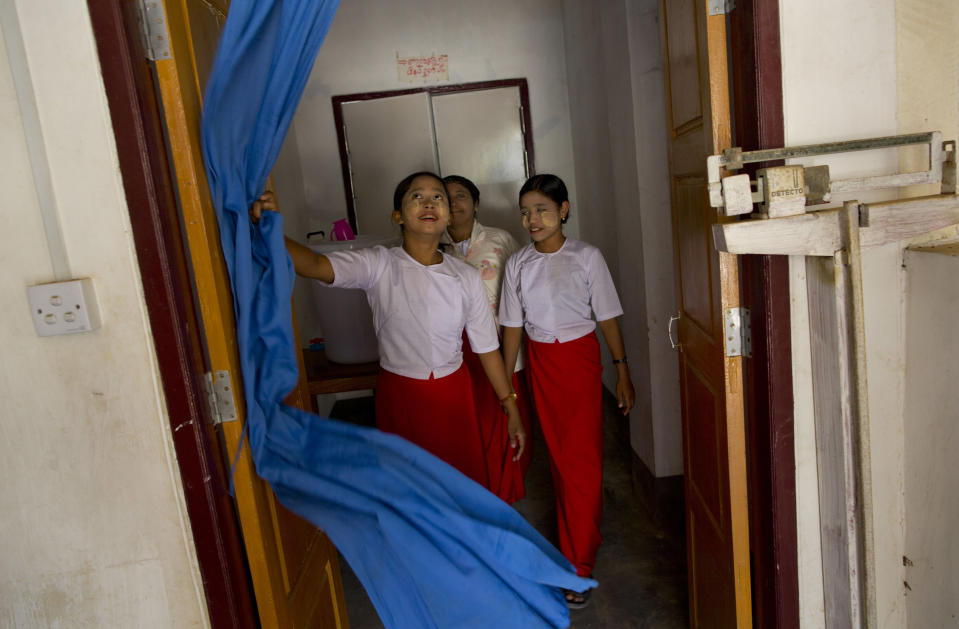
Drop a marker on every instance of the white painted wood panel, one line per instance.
(479, 135)
(387, 139)
(931, 440)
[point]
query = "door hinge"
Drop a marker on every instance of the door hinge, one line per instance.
(739, 339)
(152, 19)
(721, 7)
(219, 395)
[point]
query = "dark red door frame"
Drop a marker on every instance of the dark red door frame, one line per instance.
(163, 264)
(758, 118)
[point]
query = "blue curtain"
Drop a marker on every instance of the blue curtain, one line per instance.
(432, 548)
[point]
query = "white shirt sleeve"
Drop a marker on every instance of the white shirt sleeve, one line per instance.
(510, 308)
(480, 326)
(603, 297)
(357, 268)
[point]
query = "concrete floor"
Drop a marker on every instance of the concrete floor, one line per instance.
(641, 568)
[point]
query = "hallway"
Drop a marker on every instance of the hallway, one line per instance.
(641, 568)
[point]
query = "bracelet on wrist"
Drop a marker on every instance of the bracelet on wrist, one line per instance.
(617, 361)
(505, 399)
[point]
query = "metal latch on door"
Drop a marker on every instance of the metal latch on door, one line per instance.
(787, 190)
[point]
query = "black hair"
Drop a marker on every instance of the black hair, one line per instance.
(466, 183)
(548, 185)
(404, 186)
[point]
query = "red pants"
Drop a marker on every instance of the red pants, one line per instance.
(506, 476)
(436, 415)
(565, 379)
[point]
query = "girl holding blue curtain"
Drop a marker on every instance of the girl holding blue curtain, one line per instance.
(422, 301)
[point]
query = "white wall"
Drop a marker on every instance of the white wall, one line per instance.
(648, 84)
(931, 440)
(93, 532)
(496, 39)
(617, 106)
(928, 85)
(927, 65)
(872, 68)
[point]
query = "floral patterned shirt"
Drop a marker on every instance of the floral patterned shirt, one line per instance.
(488, 250)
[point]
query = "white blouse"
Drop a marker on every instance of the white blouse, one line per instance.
(419, 312)
(554, 295)
(487, 250)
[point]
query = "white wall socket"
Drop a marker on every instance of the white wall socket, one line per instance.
(64, 307)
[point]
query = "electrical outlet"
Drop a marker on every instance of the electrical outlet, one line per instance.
(64, 307)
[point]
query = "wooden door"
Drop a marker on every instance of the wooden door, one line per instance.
(714, 444)
(293, 566)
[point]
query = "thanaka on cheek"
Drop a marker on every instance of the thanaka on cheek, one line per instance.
(525, 222)
(550, 219)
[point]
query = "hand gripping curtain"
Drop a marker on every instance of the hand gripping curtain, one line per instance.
(431, 547)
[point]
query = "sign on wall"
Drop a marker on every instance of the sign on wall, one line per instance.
(422, 69)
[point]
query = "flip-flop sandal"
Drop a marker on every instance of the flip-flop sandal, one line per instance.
(576, 600)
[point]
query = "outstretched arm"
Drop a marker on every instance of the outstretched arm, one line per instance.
(512, 337)
(624, 386)
(493, 366)
(306, 262)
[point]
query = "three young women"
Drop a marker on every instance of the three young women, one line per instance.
(424, 301)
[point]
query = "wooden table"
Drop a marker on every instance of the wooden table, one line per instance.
(324, 376)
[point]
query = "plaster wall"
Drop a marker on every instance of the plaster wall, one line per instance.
(932, 436)
(928, 86)
(927, 79)
(617, 106)
(839, 82)
(588, 33)
(486, 41)
(94, 530)
(648, 84)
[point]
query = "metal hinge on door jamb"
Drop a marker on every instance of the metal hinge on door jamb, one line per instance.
(219, 394)
(721, 7)
(152, 19)
(738, 333)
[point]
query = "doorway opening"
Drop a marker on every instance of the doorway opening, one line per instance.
(530, 170)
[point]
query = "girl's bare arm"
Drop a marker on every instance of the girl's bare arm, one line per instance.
(624, 386)
(306, 262)
(502, 384)
(512, 337)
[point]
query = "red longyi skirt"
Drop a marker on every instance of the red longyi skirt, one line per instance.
(435, 414)
(566, 381)
(506, 476)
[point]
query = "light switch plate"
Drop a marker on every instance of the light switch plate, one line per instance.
(64, 307)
